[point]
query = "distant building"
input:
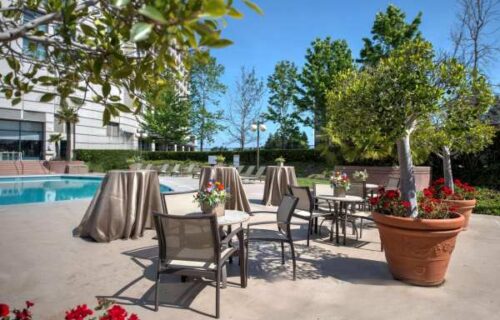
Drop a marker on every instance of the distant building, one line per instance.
(26, 128)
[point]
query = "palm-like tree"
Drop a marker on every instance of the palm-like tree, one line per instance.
(56, 138)
(68, 116)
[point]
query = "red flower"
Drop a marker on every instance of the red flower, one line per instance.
(374, 201)
(220, 187)
(29, 304)
(406, 204)
(391, 194)
(447, 191)
(439, 181)
(4, 310)
(428, 193)
(78, 313)
(133, 316)
(115, 313)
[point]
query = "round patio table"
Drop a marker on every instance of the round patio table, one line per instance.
(231, 180)
(122, 207)
(343, 204)
(278, 178)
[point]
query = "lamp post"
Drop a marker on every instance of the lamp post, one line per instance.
(258, 126)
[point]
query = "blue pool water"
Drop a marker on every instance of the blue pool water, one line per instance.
(17, 190)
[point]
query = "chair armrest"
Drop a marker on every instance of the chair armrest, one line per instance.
(263, 211)
(231, 235)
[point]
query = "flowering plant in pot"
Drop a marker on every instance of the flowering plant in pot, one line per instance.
(462, 197)
(361, 175)
(212, 198)
(340, 184)
(220, 159)
(417, 250)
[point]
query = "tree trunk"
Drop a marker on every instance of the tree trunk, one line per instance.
(407, 177)
(201, 144)
(447, 172)
(69, 141)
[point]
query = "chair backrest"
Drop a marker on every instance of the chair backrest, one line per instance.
(356, 189)
(249, 171)
(188, 238)
(189, 168)
(180, 203)
(392, 183)
(260, 172)
(149, 166)
(306, 201)
(240, 169)
(176, 167)
(285, 211)
(164, 167)
(322, 189)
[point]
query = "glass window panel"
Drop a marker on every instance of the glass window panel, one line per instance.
(31, 126)
(9, 125)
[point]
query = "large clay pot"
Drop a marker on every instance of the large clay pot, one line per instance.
(464, 207)
(219, 209)
(418, 251)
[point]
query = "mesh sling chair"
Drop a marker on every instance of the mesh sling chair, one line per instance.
(282, 234)
(190, 246)
(179, 203)
(306, 208)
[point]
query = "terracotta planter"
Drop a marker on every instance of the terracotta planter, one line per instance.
(418, 251)
(464, 207)
(218, 209)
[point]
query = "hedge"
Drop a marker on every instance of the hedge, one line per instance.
(117, 159)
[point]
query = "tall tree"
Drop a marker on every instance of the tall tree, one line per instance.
(94, 38)
(282, 85)
(205, 91)
(475, 36)
(169, 114)
(324, 60)
(245, 106)
(294, 139)
(68, 115)
(389, 31)
(389, 101)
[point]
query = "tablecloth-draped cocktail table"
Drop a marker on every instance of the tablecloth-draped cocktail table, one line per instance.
(122, 207)
(278, 178)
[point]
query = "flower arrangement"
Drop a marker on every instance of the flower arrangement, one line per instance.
(360, 175)
(463, 191)
(134, 159)
(220, 159)
(339, 180)
(214, 193)
(280, 160)
(80, 312)
(389, 202)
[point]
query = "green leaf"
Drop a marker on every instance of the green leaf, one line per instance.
(153, 13)
(106, 117)
(253, 6)
(15, 101)
(106, 89)
(140, 31)
(76, 100)
(121, 107)
(13, 63)
(215, 8)
(47, 97)
(217, 43)
(233, 13)
(87, 30)
(121, 3)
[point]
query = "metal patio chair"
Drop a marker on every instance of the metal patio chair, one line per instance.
(258, 175)
(191, 246)
(180, 203)
(282, 234)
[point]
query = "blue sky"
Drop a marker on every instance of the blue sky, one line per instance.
(288, 27)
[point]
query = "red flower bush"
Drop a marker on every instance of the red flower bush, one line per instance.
(463, 191)
(390, 203)
(80, 312)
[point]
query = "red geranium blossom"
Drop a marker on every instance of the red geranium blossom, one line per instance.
(4, 310)
(29, 304)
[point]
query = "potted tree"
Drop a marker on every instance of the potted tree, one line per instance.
(212, 198)
(384, 105)
(280, 161)
(220, 159)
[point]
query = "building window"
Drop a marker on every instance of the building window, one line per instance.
(22, 136)
(113, 130)
(30, 48)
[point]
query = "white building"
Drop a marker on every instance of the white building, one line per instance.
(28, 126)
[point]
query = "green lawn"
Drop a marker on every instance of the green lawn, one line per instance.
(310, 181)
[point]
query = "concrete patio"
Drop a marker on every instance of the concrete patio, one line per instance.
(42, 261)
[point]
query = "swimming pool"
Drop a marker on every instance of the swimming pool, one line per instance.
(32, 189)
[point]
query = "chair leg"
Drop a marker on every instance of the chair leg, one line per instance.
(308, 232)
(316, 225)
(361, 229)
(241, 260)
(282, 252)
(217, 293)
(293, 259)
(246, 260)
(157, 289)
